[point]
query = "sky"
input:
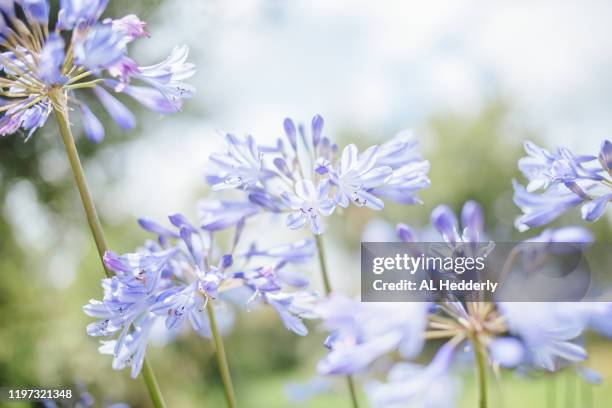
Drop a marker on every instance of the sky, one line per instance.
(382, 65)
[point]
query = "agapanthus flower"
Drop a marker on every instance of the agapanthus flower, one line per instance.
(303, 174)
(534, 336)
(559, 181)
(308, 204)
(412, 385)
(549, 337)
(544, 168)
(173, 278)
(44, 66)
(362, 332)
(509, 338)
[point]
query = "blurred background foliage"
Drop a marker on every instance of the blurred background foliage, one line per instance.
(50, 268)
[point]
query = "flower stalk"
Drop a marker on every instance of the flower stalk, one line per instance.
(226, 377)
(481, 369)
(322, 265)
(58, 100)
(328, 288)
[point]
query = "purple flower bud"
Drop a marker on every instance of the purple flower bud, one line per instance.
(317, 128)
(120, 114)
(406, 234)
(289, 127)
(444, 220)
(592, 210)
(472, 217)
(266, 201)
(281, 165)
(155, 228)
(605, 156)
(180, 221)
(91, 124)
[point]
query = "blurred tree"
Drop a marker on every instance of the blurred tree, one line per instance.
(472, 157)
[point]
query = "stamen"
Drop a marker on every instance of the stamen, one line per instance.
(10, 106)
(90, 84)
(441, 334)
(79, 77)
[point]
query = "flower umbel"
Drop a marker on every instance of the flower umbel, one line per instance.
(301, 174)
(172, 280)
(529, 336)
(565, 181)
(42, 65)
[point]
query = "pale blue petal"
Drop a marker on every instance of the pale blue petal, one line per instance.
(120, 114)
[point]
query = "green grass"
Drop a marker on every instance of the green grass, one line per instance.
(569, 392)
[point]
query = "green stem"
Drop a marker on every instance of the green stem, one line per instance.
(570, 390)
(328, 289)
(221, 357)
(481, 366)
(551, 392)
(352, 391)
(61, 115)
(154, 391)
(58, 100)
(587, 395)
(322, 265)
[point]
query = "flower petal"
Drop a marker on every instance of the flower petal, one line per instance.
(295, 220)
(91, 124)
(444, 220)
(605, 155)
(592, 210)
(120, 114)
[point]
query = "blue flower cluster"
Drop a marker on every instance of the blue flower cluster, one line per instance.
(526, 336)
(173, 278)
(172, 282)
(39, 64)
(306, 176)
(565, 181)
